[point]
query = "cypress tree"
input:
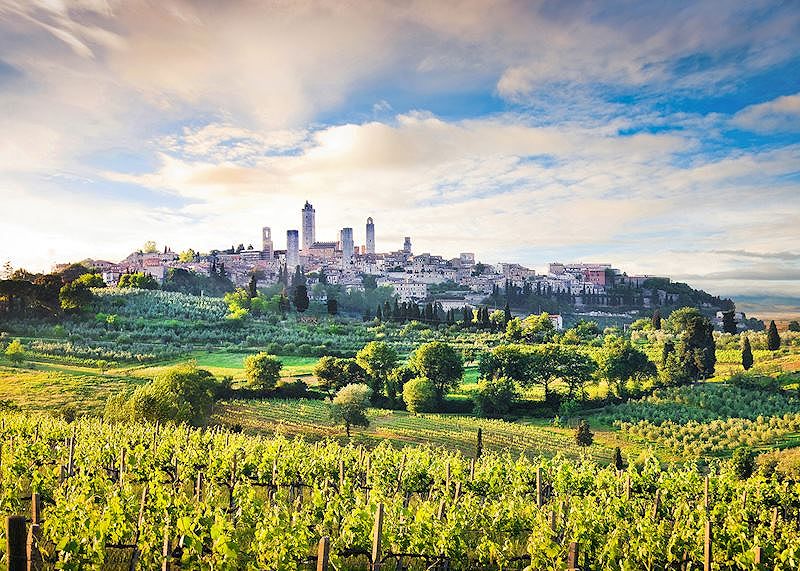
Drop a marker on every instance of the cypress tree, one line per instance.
(747, 355)
(657, 320)
(616, 459)
(583, 436)
(466, 315)
(773, 339)
(300, 298)
(729, 322)
(508, 313)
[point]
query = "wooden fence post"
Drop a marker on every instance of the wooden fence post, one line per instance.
(33, 555)
(774, 523)
(122, 455)
(572, 556)
(707, 547)
(71, 459)
(706, 499)
(323, 552)
(166, 551)
(539, 487)
(376, 539)
(36, 508)
(656, 502)
(758, 557)
(15, 543)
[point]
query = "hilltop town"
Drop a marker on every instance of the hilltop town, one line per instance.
(590, 288)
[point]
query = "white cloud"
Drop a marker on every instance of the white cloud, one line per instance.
(781, 114)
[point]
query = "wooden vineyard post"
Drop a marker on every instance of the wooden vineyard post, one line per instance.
(15, 543)
(707, 547)
(479, 444)
(656, 502)
(122, 455)
(71, 459)
(705, 494)
(539, 487)
(323, 552)
(447, 479)
(572, 557)
(758, 557)
(376, 539)
(166, 552)
(471, 469)
(774, 523)
(400, 473)
(341, 475)
(36, 508)
(198, 487)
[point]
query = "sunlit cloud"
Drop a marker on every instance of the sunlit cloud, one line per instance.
(655, 137)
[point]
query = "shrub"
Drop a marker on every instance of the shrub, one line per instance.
(294, 389)
(494, 397)
(15, 352)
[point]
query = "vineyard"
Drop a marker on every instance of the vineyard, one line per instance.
(312, 418)
(172, 497)
(708, 419)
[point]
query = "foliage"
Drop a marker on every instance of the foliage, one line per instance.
(620, 363)
(75, 296)
(15, 352)
(743, 462)
(138, 280)
(192, 283)
(490, 523)
(583, 435)
(495, 397)
(773, 339)
(419, 394)
(616, 459)
(350, 404)
(182, 393)
(440, 363)
(747, 354)
(333, 373)
(262, 370)
(300, 298)
(378, 359)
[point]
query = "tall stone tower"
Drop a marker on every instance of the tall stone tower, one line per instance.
(346, 241)
(370, 236)
(407, 245)
(308, 226)
(266, 243)
(292, 250)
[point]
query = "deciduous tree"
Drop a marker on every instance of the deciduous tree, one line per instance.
(349, 406)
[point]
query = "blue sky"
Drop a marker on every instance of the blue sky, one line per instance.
(661, 137)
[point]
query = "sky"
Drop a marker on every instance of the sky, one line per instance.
(661, 137)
